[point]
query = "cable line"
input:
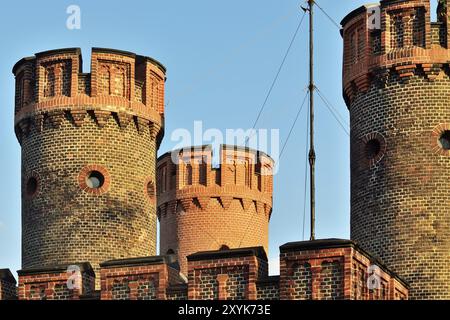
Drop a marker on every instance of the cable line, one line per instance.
(293, 125)
(328, 16)
(276, 77)
(333, 111)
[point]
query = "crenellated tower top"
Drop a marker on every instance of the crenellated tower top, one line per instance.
(243, 173)
(204, 206)
(393, 37)
(121, 84)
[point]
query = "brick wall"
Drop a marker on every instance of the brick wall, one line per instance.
(202, 208)
(334, 269)
(268, 288)
(226, 275)
(177, 292)
(8, 289)
(145, 278)
(399, 166)
(329, 269)
(51, 283)
(71, 124)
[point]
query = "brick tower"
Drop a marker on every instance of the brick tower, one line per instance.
(89, 144)
(201, 207)
(396, 83)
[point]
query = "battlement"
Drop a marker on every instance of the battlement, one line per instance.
(121, 84)
(208, 203)
(394, 38)
(190, 173)
(328, 269)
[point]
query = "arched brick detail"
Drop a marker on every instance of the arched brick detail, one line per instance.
(150, 190)
(84, 174)
(25, 191)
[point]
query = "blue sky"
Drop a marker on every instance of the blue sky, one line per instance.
(221, 58)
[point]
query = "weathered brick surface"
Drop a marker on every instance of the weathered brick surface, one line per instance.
(399, 97)
(268, 289)
(51, 283)
(8, 289)
(69, 124)
(177, 292)
(203, 208)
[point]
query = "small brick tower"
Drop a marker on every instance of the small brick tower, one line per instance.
(203, 208)
(89, 144)
(396, 83)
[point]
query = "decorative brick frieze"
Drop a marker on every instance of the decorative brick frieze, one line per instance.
(408, 44)
(53, 80)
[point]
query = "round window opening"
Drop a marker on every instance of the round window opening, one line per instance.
(373, 148)
(444, 140)
(32, 186)
(151, 190)
(95, 180)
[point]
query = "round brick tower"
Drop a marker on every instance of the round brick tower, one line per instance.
(89, 144)
(396, 83)
(202, 207)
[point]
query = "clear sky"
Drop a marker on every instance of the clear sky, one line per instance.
(221, 58)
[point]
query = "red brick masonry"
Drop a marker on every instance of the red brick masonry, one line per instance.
(330, 269)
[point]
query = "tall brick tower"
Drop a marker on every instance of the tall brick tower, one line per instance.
(396, 83)
(203, 208)
(89, 144)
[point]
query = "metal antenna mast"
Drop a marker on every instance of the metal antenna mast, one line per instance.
(312, 153)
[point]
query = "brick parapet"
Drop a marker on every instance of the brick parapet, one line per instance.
(52, 283)
(146, 278)
(228, 274)
(334, 269)
(414, 51)
(121, 84)
(314, 270)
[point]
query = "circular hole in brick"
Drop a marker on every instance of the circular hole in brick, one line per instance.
(31, 186)
(372, 148)
(95, 180)
(224, 247)
(444, 140)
